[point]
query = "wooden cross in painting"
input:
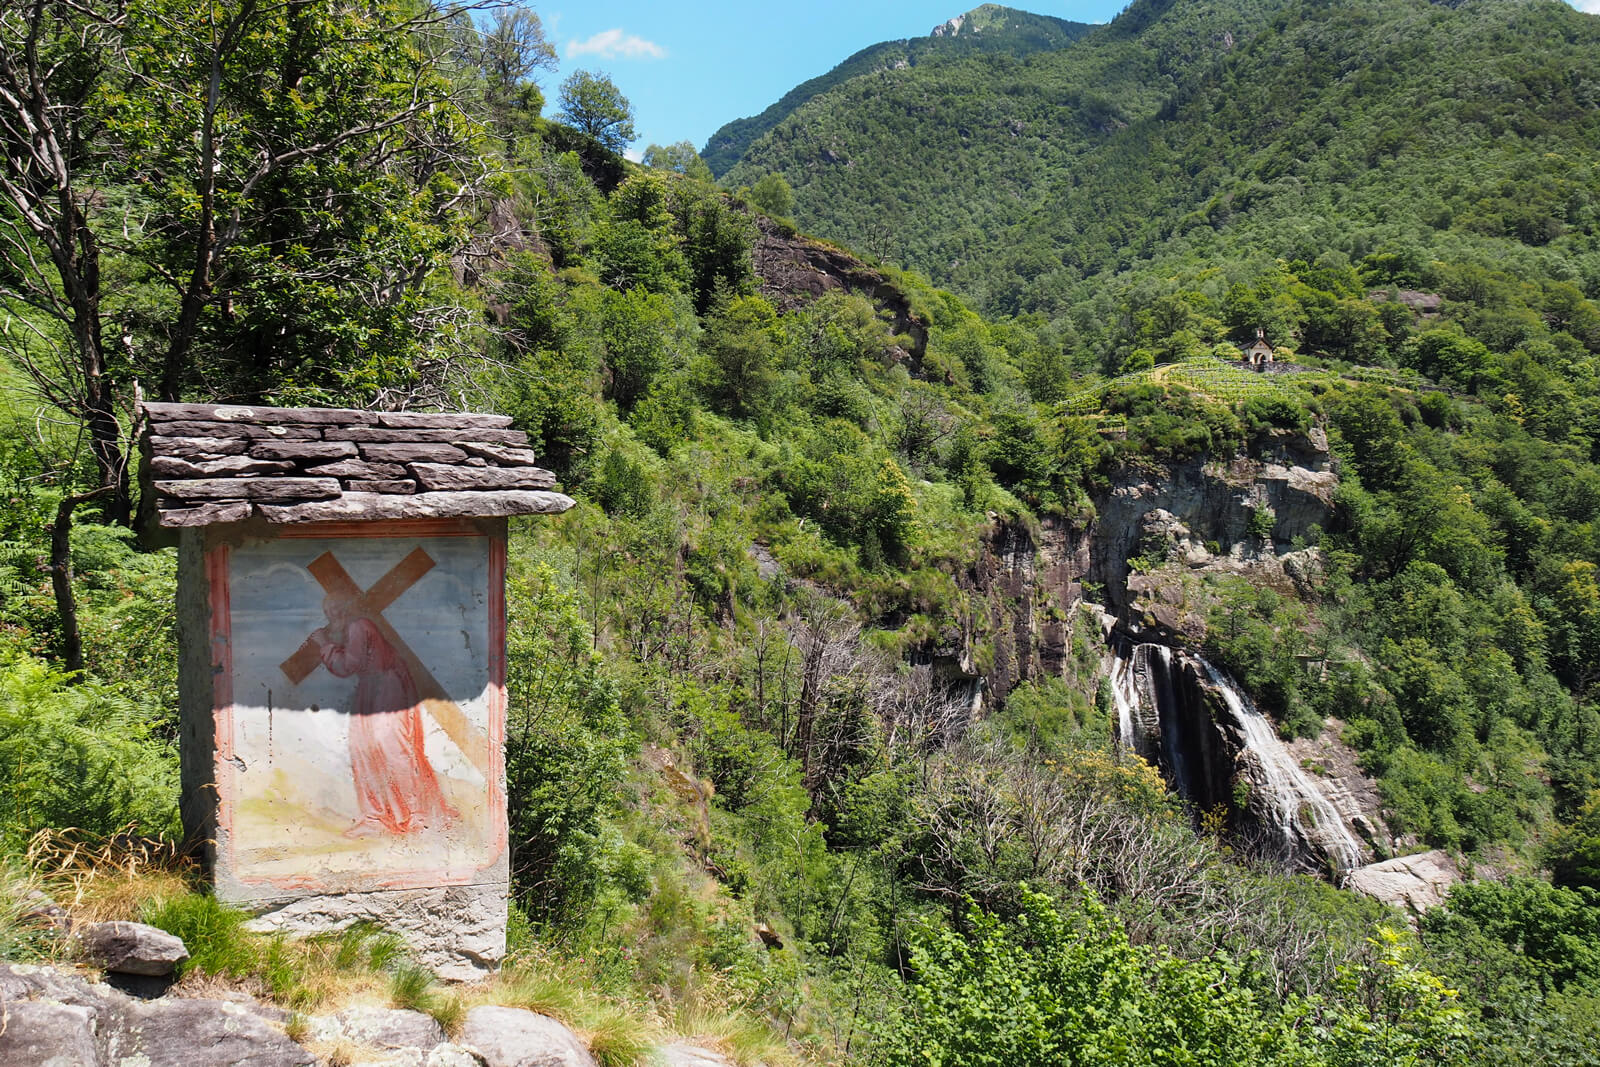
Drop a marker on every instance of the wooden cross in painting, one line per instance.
(370, 604)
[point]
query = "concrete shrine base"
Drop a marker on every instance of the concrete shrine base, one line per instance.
(458, 932)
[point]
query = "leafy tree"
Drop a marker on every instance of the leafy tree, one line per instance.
(772, 195)
(591, 102)
(513, 47)
(1574, 854)
(678, 157)
(225, 137)
(738, 371)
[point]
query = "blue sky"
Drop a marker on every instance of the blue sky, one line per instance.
(689, 67)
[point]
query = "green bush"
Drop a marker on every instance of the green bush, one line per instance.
(80, 755)
(566, 749)
(1065, 986)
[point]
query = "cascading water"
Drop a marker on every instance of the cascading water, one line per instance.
(1291, 793)
(1163, 714)
(1125, 695)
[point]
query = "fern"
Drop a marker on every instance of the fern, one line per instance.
(79, 755)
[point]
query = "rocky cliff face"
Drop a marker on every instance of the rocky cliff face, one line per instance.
(795, 270)
(1030, 585)
(1036, 592)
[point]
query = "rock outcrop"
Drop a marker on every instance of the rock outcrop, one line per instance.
(795, 270)
(52, 1017)
(1196, 518)
(1206, 516)
(1412, 883)
(513, 1037)
(56, 1018)
(1028, 616)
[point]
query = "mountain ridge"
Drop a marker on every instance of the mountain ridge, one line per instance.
(1079, 161)
(1019, 32)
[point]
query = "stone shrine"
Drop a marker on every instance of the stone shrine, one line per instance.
(341, 617)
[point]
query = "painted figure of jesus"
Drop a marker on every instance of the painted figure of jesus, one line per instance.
(397, 791)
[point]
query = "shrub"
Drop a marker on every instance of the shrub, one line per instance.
(79, 755)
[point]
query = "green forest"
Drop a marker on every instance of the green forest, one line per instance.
(751, 800)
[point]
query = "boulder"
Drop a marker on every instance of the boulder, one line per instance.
(382, 1028)
(1414, 883)
(512, 1037)
(45, 1034)
(132, 948)
(183, 1033)
(686, 1055)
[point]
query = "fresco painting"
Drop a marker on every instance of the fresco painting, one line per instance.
(365, 712)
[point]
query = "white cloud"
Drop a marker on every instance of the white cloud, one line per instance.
(614, 44)
(633, 154)
(1591, 6)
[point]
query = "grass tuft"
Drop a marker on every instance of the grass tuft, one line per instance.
(745, 1040)
(218, 943)
(617, 1037)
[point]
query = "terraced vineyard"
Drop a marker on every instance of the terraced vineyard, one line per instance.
(1208, 376)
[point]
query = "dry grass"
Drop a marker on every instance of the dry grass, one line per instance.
(100, 879)
(742, 1039)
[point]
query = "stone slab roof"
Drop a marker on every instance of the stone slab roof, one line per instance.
(213, 463)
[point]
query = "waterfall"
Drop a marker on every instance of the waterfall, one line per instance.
(1163, 713)
(1125, 695)
(1291, 793)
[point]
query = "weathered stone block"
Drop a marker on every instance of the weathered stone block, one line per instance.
(423, 420)
(160, 413)
(198, 447)
(282, 489)
(512, 457)
(430, 505)
(359, 468)
(206, 514)
(412, 453)
(173, 467)
(302, 449)
(448, 478)
(392, 487)
(247, 430)
(503, 437)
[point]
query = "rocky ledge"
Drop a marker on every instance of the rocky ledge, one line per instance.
(54, 1017)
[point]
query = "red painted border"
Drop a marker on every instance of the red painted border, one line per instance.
(217, 561)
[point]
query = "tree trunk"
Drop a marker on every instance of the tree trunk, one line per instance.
(61, 579)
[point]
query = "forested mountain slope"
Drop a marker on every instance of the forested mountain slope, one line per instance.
(1186, 129)
(986, 29)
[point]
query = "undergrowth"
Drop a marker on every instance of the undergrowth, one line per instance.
(122, 877)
